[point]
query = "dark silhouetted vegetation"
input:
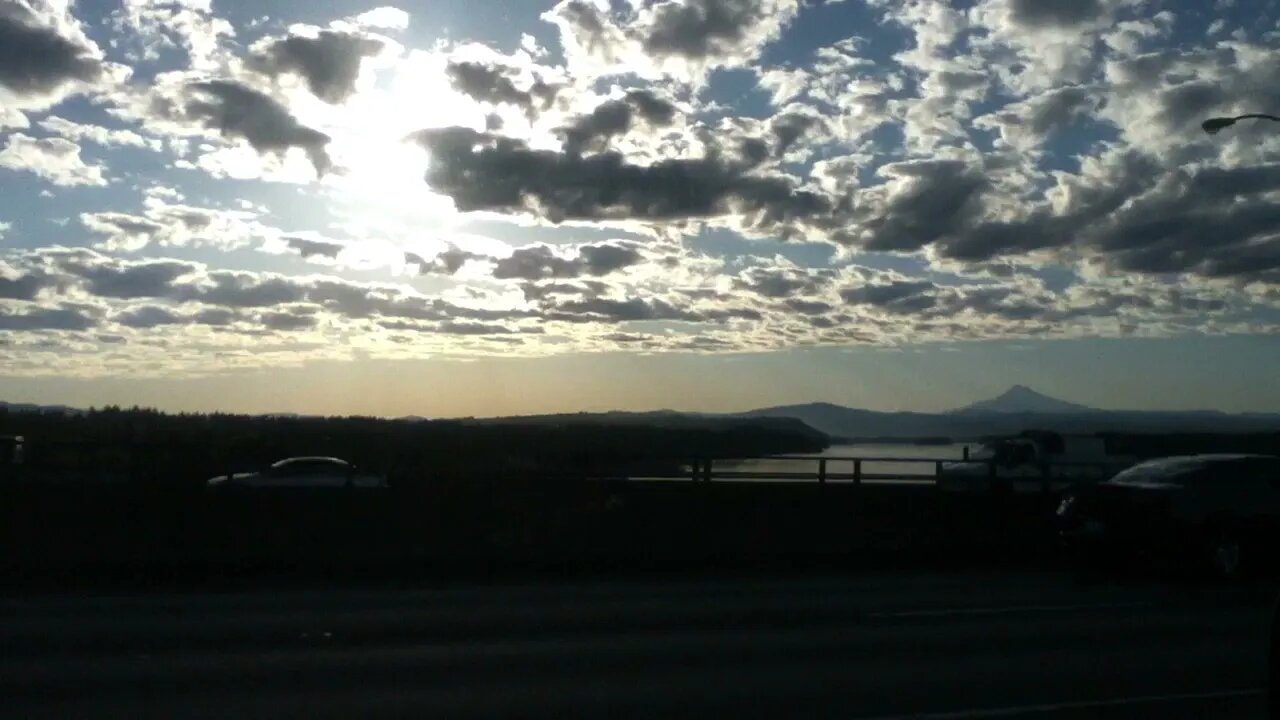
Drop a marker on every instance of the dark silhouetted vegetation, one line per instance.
(119, 495)
(137, 445)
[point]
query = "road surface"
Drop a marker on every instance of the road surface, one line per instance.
(877, 646)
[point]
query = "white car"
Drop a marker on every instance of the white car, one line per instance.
(302, 472)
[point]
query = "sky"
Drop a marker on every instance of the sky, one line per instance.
(474, 207)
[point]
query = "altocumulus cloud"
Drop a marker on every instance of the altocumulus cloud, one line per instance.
(1006, 169)
(43, 54)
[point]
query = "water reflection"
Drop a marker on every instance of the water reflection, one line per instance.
(916, 470)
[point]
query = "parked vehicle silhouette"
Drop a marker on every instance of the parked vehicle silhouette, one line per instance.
(301, 472)
(1213, 512)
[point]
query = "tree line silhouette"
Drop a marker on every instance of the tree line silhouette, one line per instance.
(138, 444)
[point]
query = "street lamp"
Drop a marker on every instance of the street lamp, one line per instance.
(1213, 125)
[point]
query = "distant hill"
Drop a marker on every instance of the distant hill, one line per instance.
(666, 419)
(1022, 399)
(43, 409)
(807, 426)
(843, 422)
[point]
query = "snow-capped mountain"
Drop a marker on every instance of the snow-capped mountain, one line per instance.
(1022, 399)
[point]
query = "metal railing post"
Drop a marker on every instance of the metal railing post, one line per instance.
(822, 471)
(857, 472)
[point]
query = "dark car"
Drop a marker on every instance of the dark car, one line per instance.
(301, 472)
(1219, 513)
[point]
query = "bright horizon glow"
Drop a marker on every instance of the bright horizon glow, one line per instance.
(883, 380)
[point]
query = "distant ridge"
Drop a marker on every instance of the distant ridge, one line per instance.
(1018, 408)
(1022, 399)
(42, 409)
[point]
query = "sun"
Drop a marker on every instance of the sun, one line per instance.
(376, 168)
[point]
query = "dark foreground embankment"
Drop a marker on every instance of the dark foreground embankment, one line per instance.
(165, 534)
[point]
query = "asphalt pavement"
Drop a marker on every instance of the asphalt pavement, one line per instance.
(872, 646)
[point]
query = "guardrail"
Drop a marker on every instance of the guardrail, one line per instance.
(832, 469)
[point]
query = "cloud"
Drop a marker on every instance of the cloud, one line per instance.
(314, 248)
(1028, 124)
(924, 201)
(903, 296)
(809, 307)
(494, 82)
(1052, 42)
(103, 275)
(651, 107)
(781, 282)
(1215, 222)
(16, 285)
(1158, 100)
(329, 60)
(625, 338)
(125, 232)
(480, 171)
(540, 262)
(1100, 208)
(785, 84)
(43, 56)
(157, 25)
(1039, 14)
(45, 319)
(682, 38)
(1122, 210)
(592, 41)
(535, 263)
(472, 328)
(448, 262)
(215, 317)
(13, 118)
(456, 328)
(605, 259)
(588, 288)
(56, 160)
(617, 310)
(238, 289)
(172, 224)
(238, 111)
(949, 78)
(714, 29)
(386, 18)
(592, 132)
(130, 280)
(97, 134)
(790, 127)
(970, 312)
(149, 316)
(299, 319)
(1131, 37)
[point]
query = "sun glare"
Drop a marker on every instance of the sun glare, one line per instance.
(377, 169)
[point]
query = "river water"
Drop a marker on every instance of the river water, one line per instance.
(900, 459)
